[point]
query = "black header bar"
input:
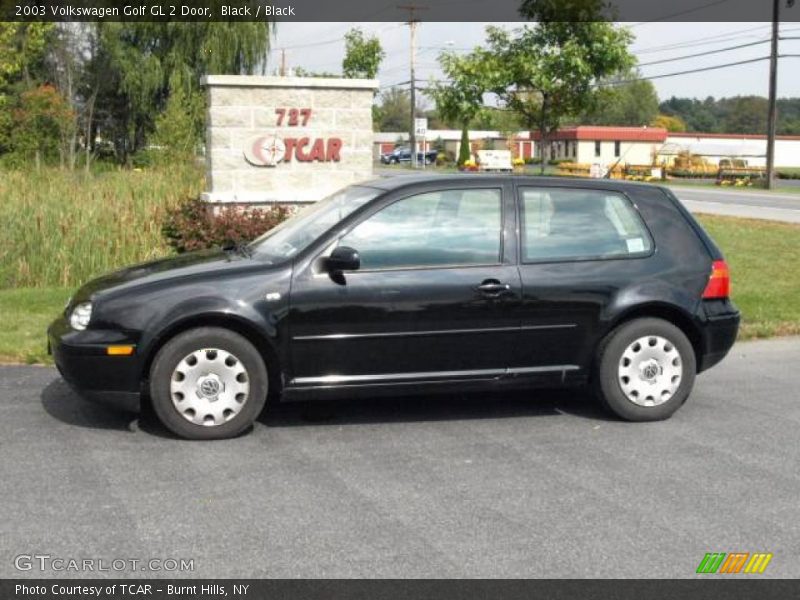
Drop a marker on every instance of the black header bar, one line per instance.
(381, 10)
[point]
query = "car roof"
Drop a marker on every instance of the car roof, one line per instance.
(394, 182)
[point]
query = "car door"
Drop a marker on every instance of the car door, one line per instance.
(578, 249)
(434, 298)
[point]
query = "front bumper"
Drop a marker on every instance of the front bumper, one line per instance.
(81, 358)
(719, 332)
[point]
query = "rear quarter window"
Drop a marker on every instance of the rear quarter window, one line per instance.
(576, 224)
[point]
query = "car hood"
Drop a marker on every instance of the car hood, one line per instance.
(184, 265)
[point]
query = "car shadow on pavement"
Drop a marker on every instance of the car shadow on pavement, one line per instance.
(63, 404)
(496, 405)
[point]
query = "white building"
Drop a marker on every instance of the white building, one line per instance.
(752, 148)
(607, 146)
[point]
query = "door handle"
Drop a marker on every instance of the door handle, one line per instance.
(493, 288)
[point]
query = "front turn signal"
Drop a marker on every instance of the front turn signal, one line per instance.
(119, 350)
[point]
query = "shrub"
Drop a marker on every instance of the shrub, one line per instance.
(195, 225)
(444, 158)
(690, 174)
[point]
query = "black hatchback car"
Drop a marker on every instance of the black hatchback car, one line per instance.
(415, 285)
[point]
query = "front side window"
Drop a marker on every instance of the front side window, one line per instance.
(295, 234)
(574, 224)
(435, 229)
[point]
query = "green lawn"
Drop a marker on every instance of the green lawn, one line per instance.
(761, 254)
(26, 314)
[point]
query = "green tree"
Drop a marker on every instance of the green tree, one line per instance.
(22, 50)
(623, 100)
(394, 111)
(363, 55)
(459, 100)
(674, 124)
(740, 114)
(22, 53)
(140, 62)
(547, 71)
(40, 122)
(743, 114)
(464, 150)
(497, 119)
(175, 134)
(699, 115)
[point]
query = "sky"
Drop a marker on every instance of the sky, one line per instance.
(320, 47)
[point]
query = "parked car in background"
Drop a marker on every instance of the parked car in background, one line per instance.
(402, 155)
(415, 285)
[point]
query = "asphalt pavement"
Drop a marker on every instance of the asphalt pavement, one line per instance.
(750, 204)
(521, 485)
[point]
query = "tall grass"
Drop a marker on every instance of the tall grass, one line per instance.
(59, 228)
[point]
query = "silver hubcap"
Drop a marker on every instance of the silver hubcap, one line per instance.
(209, 386)
(650, 371)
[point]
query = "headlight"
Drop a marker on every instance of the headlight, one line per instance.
(79, 318)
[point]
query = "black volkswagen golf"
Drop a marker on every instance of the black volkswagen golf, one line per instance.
(415, 285)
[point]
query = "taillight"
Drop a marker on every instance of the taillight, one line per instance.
(719, 283)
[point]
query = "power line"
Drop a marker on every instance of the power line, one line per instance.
(677, 73)
(708, 52)
(333, 40)
(715, 39)
(682, 13)
(687, 72)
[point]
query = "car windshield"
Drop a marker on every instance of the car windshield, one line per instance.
(296, 233)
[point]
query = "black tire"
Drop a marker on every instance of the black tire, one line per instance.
(607, 380)
(195, 340)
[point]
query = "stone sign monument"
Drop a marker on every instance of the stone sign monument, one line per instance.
(286, 139)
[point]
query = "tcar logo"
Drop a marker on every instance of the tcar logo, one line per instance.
(269, 150)
(265, 151)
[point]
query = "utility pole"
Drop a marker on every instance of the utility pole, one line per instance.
(283, 63)
(773, 92)
(412, 25)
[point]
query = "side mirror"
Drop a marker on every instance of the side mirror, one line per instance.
(343, 258)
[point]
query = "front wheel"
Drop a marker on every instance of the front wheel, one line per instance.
(208, 383)
(646, 370)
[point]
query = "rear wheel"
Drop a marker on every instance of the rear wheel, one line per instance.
(646, 370)
(208, 383)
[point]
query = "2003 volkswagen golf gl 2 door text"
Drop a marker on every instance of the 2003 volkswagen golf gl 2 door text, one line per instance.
(415, 285)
